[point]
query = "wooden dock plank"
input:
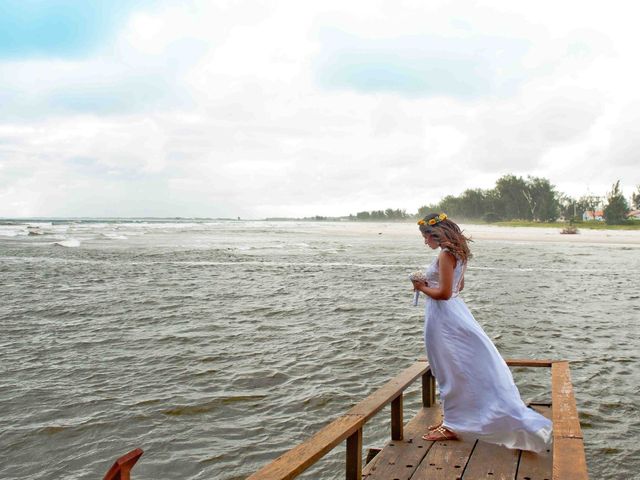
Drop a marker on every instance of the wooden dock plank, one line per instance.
(565, 414)
(491, 461)
(569, 462)
(408, 457)
(535, 466)
(400, 459)
(445, 461)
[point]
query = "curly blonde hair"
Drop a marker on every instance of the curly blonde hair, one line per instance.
(448, 234)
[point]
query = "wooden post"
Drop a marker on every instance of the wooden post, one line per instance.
(397, 419)
(428, 389)
(354, 456)
(122, 466)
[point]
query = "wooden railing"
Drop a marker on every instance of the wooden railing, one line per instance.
(569, 461)
(349, 427)
(122, 466)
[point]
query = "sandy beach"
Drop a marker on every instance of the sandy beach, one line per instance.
(492, 232)
(542, 234)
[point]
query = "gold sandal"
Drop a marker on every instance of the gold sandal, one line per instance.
(434, 426)
(439, 434)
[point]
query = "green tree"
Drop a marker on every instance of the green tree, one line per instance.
(542, 199)
(587, 203)
(568, 206)
(363, 216)
(377, 215)
(451, 205)
(473, 203)
(426, 209)
(635, 198)
(512, 198)
(617, 207)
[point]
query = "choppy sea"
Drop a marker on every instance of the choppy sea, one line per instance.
(217, 345)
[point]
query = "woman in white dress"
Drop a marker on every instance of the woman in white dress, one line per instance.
(479, 397)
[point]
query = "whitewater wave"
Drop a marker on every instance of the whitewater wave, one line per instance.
(68, 243)
(114, 236)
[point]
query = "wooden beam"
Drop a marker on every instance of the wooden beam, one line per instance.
(298, 459)
(354, 456)
(526, 362)
(121, 468)
(397, 419)
(569, 462)
(390, 390)
(428, 389)
(517, 362)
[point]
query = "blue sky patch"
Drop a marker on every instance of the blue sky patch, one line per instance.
(421, 65)
(60, 28)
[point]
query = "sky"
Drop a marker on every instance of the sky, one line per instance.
(117, 108)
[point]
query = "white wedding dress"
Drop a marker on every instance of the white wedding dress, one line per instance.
(479, 398)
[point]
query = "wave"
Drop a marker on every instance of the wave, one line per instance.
(114, 236)
(11, 233)
(69, 243)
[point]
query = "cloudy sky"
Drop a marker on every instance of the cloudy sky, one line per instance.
(299, 108)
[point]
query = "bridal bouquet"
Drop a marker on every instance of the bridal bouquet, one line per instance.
(420, 276)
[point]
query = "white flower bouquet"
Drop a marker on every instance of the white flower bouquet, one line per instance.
(419, 276)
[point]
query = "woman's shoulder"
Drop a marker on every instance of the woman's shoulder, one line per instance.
(446, 252)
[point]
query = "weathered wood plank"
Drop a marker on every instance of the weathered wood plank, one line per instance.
(400, 459)
(535, 466)
(298, 459)
(445, 460)
(377, 400)
(491, 461)
(569, 462)
(565, 414)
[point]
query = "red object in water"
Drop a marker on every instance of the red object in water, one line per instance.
(123, 465)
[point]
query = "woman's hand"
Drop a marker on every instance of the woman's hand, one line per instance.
(419, 285)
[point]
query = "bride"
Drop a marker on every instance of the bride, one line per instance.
(479, 398)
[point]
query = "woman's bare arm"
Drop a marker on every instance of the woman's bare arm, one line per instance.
(446, 263)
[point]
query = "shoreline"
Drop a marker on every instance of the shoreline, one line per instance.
(485, 232)
(548, 234)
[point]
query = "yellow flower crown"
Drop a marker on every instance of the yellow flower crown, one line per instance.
(434, 220)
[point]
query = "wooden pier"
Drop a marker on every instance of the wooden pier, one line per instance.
(406, 456)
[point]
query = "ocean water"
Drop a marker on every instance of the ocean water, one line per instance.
(217, 346)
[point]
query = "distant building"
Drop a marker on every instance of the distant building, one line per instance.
(597, 215)
(634, 214)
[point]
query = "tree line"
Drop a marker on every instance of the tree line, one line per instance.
(517, 198)
(382, 215)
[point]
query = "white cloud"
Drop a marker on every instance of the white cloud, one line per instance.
(214, 108)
